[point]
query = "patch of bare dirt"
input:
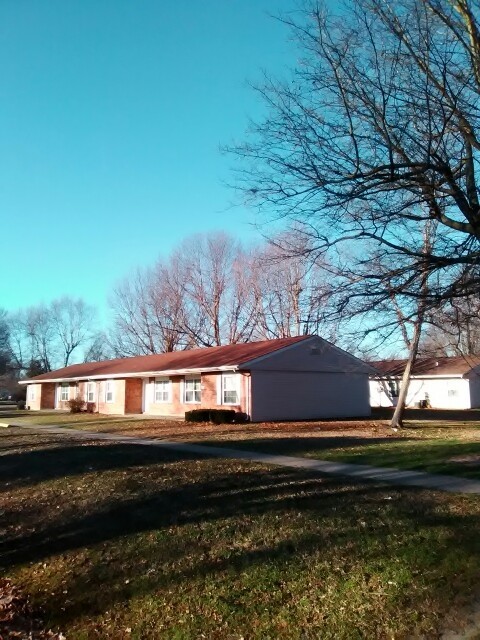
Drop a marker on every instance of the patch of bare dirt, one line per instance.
(472, 459)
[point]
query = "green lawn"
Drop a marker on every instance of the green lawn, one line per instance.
(436, 446)
(60, 417)
(450, 456)
(446, 448)
(120, 541)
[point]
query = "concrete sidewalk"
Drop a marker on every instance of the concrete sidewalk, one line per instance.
(452, 484)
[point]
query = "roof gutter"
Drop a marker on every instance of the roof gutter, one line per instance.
(424, 376)
(139, 374)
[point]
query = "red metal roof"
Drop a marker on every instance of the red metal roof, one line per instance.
(459, 365)
(208, 358)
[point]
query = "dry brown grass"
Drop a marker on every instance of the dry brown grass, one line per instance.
(179, 430)
(113, 541)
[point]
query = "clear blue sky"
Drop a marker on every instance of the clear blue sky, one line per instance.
(111, 117)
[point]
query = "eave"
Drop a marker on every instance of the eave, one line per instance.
(386, 376)
(139, 374)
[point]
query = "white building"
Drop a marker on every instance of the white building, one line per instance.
(445, 383)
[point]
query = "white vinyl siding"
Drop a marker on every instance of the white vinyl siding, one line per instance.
(162, 390)
(109, 387)
(441, 393)
(288, 395)
(192, 390)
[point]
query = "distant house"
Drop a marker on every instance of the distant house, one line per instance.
(446, 383)
(285, 379)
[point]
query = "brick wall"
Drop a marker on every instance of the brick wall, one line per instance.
(209, 385)
(128, 396)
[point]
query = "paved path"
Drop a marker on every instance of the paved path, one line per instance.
(389, 475)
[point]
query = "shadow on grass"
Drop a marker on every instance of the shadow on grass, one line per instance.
(190, 502)
(201, 501)
(59, 459)
(456, 415)
(62, 459)
(150, 536)
(434, 456)
(292, 446)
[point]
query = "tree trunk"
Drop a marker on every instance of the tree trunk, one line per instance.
(397, 418)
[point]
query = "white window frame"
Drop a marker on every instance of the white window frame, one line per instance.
(88, 393)
(31, 392)
(162, 387)
(109, 391)
(224, 390)
(196, 390)
(64, 386)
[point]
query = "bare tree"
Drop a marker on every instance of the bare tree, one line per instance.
(214, 278)
(5, 351)
(8, 371)
(39, 336)
(99, 348)
(49, 335)
(374, 134)
(212, 291)
(454, 329)
(136, 330)
(18, 348)
(73, 324)
(417, 322)
(292, 290)
(168, 304)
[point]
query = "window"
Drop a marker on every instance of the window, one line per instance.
(162, 390)
(394, 388)
(109, 391)
(64, 391)
(229, 388)
(193, 391)
(91, 392)
(31, 393)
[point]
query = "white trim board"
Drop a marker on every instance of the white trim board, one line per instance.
(139, 374)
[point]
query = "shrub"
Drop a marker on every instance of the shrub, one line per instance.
(217, 416)
(222, 416)
(197, 415)
(76, 405)
(90, 407)
(21, 404)
(20, 394)
(241, 417)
